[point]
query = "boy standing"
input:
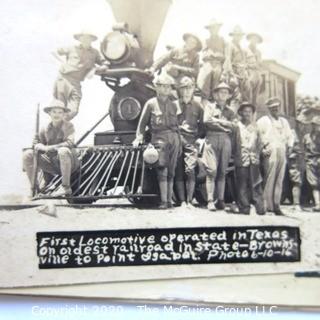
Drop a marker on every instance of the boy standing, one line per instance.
(218, 120)
(247, 149)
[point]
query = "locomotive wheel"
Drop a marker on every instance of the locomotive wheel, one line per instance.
(144, 201)
(150, 186)
(80, 201)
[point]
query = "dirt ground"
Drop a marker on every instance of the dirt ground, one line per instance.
(18, 257)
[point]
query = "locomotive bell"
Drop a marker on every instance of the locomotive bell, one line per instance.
(150, 154)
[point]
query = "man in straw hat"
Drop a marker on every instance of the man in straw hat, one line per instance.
(213, 56)
(276, 133)
(79, 61)
(235, 65)
(253, 60)
(180, 62)
(191, 128)
(312, 156)
(247, 149)
(218, 119)
(161, 114)
(55, 146)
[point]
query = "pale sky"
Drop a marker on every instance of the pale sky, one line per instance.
(31, 29)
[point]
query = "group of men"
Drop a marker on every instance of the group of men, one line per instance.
(261, 150)
(228, 75)
(229, 80)
(217, 61)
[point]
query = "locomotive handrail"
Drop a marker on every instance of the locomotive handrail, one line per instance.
(91, 129)
(122, 72)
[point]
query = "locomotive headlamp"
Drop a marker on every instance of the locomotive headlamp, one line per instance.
(114, 46)
(118, 47)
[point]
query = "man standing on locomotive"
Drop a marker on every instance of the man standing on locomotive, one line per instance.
(276, 133)
(218, 119)
(55, 147)
(213, 56)
(161, 114)
(180, 62)
(253, 59)
(79, 62)
(235, 66)
(191, 127)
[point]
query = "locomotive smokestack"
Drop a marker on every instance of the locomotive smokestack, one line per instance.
(145, 19)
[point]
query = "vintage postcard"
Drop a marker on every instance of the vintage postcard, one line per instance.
(158, 139)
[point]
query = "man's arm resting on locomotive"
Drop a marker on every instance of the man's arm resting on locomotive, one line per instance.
(190, 71)
(143, 122)
(162, 61)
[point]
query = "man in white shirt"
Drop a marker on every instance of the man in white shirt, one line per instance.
(277, 135)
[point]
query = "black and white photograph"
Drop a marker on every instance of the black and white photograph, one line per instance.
(161, 149)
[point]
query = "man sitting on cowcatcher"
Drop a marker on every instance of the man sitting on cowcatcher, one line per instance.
(54, 147)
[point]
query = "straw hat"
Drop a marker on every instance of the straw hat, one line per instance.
(191, 35)
(246, 104)
(163, 79)
(77, 36)
(186, 82)
(56, 104)
(222, 85)
(213, 22)
(254, 35)
(236, 31)
(273, 102)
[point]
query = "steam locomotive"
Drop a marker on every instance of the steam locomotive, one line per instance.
(112, 167)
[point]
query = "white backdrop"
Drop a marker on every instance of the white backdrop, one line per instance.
(31, 29)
